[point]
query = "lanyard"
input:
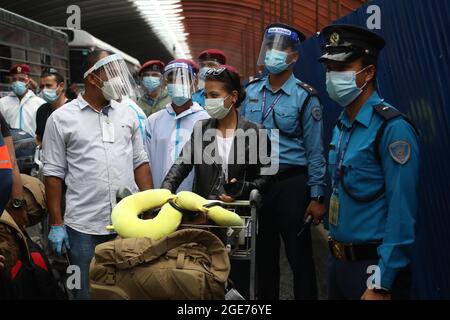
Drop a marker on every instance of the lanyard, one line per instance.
(265, 113)
(340, 155)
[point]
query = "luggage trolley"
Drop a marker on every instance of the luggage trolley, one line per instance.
(241, 240)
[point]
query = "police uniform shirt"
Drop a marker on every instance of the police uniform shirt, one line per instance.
(199, 97)
(305, 150)
(21, 114)
(391, 217)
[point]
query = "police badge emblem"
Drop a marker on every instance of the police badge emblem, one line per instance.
(334, 39)
(400, 151)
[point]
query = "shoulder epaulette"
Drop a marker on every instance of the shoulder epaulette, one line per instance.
(308, 88)
(254, 81)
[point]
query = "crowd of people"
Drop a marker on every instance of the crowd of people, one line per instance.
(192, 125)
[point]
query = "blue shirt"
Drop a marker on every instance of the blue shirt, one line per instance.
(199, 97)
(391, 217)
(305, 150)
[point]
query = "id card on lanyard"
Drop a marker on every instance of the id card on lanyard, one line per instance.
(333, 217)
(265, 113)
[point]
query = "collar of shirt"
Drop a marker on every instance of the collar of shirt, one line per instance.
(83, 103)
(365, 114)
(193, 109)
(287, 87)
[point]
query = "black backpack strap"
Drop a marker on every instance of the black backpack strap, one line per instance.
(311, 93)
(388, 113)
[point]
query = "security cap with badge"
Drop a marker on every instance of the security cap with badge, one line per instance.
(346, 43)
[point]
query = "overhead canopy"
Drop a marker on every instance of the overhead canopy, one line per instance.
(159, 29)
(117, 22)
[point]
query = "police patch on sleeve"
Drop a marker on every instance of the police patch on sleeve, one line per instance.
(400, 151)
(317, 113)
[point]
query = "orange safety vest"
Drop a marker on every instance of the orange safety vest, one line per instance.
(5, 159)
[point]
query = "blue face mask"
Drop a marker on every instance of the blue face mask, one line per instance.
(50, 95)
(275, 61)
(178, 94)
(342, 87)
(151, 83)
(19, 88)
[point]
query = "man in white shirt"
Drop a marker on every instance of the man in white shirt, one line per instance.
(20, 107)
(169, 129)
(93, 144)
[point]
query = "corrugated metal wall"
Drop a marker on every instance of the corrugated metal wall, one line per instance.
(414, 76)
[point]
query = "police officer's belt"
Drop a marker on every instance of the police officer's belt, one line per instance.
(354, 252)
(289, 172)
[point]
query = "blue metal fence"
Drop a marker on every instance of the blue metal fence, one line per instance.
(414, 76)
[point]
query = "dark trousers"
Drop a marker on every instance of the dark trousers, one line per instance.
(348, 280)
(284, 206)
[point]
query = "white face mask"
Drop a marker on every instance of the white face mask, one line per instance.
(216, 108)
(110, 87)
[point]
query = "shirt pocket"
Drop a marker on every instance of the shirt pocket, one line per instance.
(363, 176)
(253, 113)
(286, 119)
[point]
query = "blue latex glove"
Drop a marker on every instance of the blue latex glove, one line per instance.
(59, 239)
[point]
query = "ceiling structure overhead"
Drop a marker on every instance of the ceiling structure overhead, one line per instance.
(163, 29)
(117, 22)
(236, 26)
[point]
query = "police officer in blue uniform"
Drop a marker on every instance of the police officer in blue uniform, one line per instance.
(374, 163)
(291, 110)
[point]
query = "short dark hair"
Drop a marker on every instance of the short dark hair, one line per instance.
(370, 60)
(92, 58)
(231, 81)
(52, 72)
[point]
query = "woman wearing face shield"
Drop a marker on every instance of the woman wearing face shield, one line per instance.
(169, 129)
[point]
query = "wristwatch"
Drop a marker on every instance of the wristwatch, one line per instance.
(18, 203)
(319, 199)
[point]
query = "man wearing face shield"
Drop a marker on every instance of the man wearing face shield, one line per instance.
(169, 129)
(374, 168)
(290, 108)
(155, 95)
(19, 108)
(208, 59)
(93, 144)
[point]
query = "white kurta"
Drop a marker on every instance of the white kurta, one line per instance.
(166, 134)
(21, 114)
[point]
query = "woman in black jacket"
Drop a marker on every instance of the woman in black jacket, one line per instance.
(228, 153)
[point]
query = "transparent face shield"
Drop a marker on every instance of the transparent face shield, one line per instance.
(117, 80)
(279, 46)
(180, 80)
